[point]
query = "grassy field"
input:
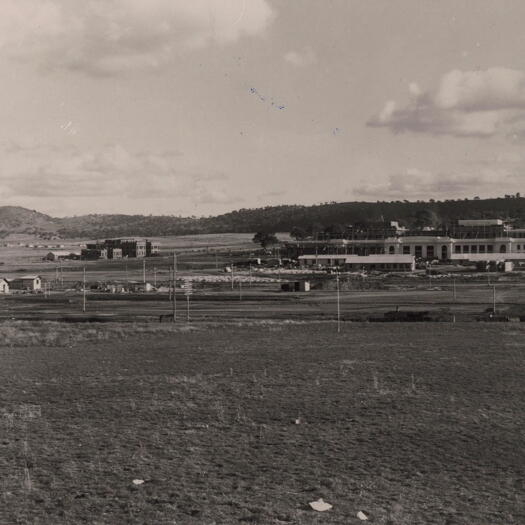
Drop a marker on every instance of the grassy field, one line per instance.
(248, 423)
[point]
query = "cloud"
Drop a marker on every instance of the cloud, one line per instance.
(486, 179)
(50, 173)
(109, 36)
(303, 58)
(464, 104)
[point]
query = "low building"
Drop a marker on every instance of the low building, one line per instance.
(30, 283)
(114, 253)
(4, 285)
(91, 254)
(380, 262)
(61, 255)
(152, 249)
(296, 286)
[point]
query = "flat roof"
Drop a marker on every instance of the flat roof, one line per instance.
(480, 257)
(364, 259)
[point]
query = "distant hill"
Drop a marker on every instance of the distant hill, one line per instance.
(270, 218)
(15, 219)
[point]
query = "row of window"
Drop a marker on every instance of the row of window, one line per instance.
(480, 248)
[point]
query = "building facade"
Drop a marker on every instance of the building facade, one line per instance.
(465, 237)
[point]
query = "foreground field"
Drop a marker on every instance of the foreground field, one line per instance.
(409, 424)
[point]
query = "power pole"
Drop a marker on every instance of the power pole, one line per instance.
(144, 271)
(494, 299)
(84, 292)
(174, 286)
(338, 303)
(170, 282)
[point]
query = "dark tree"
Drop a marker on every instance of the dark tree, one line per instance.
(265, 239)
(298, 233)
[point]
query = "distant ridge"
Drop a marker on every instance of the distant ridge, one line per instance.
(18, 220)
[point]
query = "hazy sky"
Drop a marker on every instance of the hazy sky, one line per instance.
(203, 106)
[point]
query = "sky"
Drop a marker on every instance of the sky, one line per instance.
(198, 108)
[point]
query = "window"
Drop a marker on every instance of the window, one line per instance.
(406, 250)
(465, 248)
(430, 252)
(490, 248)
(390, 249)
(481, 248)
(419, 251)
(457, 248)
(473, 249)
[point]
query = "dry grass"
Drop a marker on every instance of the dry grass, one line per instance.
(56, 334)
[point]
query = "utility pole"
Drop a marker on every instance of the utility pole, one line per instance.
(170, 284)
(338, 303)
(174, 286)
(84, 292)
(494, 299)
(144, 271)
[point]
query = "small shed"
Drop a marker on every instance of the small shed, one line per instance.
(4, 285)
(31, 283)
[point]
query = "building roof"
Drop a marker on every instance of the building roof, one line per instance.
(364, 259)
(481, 257)
(64, 253)
(480, 222)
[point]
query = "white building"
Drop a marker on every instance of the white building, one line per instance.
(388, 262)
(4, 285)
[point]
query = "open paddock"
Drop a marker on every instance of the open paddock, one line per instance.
(249, 422)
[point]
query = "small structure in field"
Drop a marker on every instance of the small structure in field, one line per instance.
(4, 285)
(296, 286)
(61, 255)
(28, 283)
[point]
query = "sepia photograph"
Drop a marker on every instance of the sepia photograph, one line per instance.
(262, 262)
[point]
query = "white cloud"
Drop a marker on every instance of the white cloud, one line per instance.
(464, 104)
(303, 58)
(484, 179)
(50, 173)
(107, 36)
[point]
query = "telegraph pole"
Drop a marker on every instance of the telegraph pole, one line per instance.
(84, 292)
(174, 286)
(170, 282)
(338, 303)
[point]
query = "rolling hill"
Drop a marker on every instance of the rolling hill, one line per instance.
(18, 220)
